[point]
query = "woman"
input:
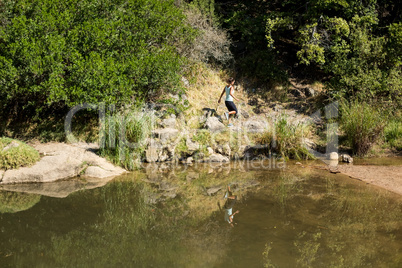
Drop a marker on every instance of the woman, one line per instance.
(229, 90)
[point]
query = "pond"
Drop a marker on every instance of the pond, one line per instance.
(166, 216)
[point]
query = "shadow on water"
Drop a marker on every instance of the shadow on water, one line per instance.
(170, 217)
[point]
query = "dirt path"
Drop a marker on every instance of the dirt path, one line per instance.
(387, 177)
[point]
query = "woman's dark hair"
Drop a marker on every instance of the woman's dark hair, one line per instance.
(230, 80)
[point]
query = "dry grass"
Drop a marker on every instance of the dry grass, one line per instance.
(205, 91)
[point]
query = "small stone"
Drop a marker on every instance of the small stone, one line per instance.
(189, 160)
(333, 156)
(210, 150)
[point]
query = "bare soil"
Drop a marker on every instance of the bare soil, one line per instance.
(387, 177)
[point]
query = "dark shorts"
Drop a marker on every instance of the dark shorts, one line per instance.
(231, 106)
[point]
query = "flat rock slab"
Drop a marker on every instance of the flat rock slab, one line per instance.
(62, 161)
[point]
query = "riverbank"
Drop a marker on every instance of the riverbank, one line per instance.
(61, 161)
(387, 177)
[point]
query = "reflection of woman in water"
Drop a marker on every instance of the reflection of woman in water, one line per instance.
(230, 202)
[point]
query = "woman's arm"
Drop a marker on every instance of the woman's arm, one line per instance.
(231, 93)
(223, 92)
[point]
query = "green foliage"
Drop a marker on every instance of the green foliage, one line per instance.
(15, 154)
(125, 135)
(206, 7)
(286, 139)
(362, 124)
(247, 23)
(351, 41)
(181, 148)
(203, 137)
(393, 133)
(89, 51)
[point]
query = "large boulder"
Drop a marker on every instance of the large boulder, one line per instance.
(169, 122)
(218, 158)
(213, 124)
(165, 134)
(61, 161)
(255, 126)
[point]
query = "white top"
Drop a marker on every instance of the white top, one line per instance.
(228, 96)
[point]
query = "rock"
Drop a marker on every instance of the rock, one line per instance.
(163, 156)
(333, 156)
(210, 150)
(192, 146)
(213, 190)
(185, 81)
(98, 172)
(62, 161)
(169, 122)
(152, 152)
(165, 134)
(255, 126)
(251, 152)
(244, 114)
(218, 158)
(226, 149)
(12, 144)
(189, 160)
(213, 124)
(297, 93)
(346, 158)
(309, 92)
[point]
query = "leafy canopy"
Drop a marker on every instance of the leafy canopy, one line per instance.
(88, 51)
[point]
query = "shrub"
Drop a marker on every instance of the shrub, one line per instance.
(86, 51)
(286, 139)
(362, 124)
(15, 154)
(125, 136)
(393, 134)
(212, 44)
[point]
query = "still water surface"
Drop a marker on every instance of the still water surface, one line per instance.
(172, 217)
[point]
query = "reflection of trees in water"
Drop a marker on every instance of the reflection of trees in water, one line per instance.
(11, 202)
(130, 232)
(352, 227)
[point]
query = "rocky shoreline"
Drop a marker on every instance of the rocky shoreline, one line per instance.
(60, 161)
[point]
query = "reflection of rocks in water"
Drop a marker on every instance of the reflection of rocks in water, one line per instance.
(58, 189)
(11, 202)
(165, 190)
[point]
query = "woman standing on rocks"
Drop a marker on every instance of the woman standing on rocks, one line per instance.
(229, 90)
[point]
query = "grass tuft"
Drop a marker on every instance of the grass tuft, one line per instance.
(125, 135)
(15, 154)
(286, 139)
(362, 124)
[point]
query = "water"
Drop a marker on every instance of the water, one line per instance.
(293, 217)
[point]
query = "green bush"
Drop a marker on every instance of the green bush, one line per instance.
(393, 134)
(286, 139)
(85, 51)
(15, 154)
(362, 124)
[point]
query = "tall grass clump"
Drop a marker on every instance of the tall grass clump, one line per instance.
(124, 136)
(15, 154)
(362, 125)
(285, 139)
(393, 134)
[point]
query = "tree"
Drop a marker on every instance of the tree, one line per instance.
(75, 51)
